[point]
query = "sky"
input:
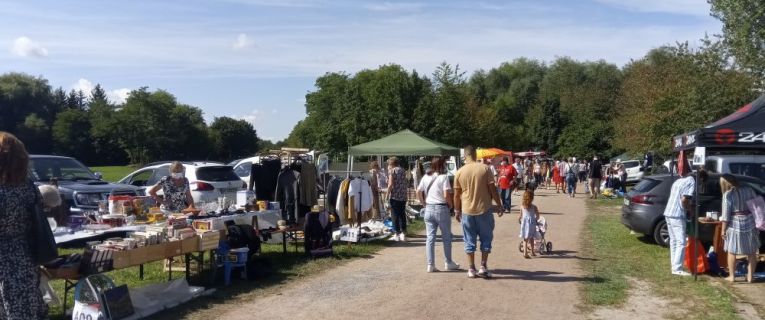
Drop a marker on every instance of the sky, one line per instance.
(256, 59)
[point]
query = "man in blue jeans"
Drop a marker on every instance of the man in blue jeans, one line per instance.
(474, 192)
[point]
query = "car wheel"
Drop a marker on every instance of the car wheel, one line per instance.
(661, 234)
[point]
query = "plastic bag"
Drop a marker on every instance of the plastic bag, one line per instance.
(702, 264)
(757, 208)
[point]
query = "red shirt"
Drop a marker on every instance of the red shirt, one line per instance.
(506, 176)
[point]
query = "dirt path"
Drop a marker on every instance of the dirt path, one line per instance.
(394, 284)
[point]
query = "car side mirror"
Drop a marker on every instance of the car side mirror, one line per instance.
(99, 175)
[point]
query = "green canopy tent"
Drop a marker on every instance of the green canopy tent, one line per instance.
(404, 143)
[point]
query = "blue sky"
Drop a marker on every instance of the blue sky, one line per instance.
(256, 59)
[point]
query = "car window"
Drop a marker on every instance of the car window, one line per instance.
(44, 169)
(646, 185)
(631, 164)
(159, 173)
(243, 169)
(711, 166)
(748, 169)
(141, 178)
(222, 173)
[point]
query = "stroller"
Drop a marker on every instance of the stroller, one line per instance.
(541, 245)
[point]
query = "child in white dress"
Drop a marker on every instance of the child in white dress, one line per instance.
(528, 220)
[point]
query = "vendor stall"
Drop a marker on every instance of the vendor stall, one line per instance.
(740, 131)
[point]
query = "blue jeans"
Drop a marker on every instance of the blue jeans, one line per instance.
(571, 183)
(504, 194)
(478, 227)
(438, 216)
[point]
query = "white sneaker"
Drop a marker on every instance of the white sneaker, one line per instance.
(451, 266)
(432, 268)
(394, 237)
(402, 238)
(472, 273)
(484, 272)
(681, 273)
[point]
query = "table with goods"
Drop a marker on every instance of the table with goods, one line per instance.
(129, 231)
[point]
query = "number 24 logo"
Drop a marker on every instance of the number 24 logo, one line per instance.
(751, 137)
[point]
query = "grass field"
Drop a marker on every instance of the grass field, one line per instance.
(618, 255)
(114, 173)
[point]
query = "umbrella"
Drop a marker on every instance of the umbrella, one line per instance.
(491, 153)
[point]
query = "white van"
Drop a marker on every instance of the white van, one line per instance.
(747, 165)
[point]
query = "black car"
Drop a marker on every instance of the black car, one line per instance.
(80, 189)
(643, 209)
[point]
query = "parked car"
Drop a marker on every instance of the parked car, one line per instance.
(80, 188)
(747, 165)
(208, 180)
(643, 209)
(242, 167)
(635, 170)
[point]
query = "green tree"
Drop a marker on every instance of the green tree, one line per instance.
(35, 134)
(233, 138)
(71, 136)
(27, 109)
(674, 89)
(744, 32)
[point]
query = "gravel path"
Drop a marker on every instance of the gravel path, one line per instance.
(394, 285)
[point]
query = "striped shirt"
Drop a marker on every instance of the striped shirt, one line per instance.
(681, 187)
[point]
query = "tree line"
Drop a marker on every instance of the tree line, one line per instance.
(149, 126)
(566, 107)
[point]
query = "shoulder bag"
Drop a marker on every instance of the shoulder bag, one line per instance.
(427, 190)
(756, 207)
(42, 244)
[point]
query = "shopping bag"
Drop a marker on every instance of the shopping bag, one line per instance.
(757, 208)
(702, 265)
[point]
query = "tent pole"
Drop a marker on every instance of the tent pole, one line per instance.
(696, 226)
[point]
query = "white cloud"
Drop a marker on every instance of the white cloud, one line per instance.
(242, 42)
(253, 117)
(684, 7)
(25, 47)
(117, 96)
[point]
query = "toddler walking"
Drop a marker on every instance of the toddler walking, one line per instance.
(528, 220)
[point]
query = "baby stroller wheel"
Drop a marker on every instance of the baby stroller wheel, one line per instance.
(549, 248)
(541, 247)
(520, 247)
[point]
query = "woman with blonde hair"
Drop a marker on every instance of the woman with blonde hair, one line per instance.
(20, 296)
(738, 225)
(528, 220)
(175, 189)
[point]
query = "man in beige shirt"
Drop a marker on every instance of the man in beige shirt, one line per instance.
(474, 191)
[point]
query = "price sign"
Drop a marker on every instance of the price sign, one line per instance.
(349, 234)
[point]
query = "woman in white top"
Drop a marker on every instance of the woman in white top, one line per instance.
(435, 192)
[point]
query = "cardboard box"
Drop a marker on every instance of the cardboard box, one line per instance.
(190, 245)
(121, 259)
(209, 240)
(173, 248)
(139, 256)
(156, 252)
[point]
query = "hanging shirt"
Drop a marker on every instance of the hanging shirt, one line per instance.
(361, 186)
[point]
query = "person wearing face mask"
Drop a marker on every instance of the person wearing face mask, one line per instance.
(175, 189)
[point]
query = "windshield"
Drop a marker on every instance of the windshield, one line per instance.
(223, 173)
(45, 169)
(748, 169)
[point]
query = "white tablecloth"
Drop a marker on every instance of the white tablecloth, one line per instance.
(63, 237)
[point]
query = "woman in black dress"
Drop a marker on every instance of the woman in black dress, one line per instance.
(20, 296)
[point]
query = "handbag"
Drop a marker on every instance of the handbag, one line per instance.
(757, 208)
(42, 244)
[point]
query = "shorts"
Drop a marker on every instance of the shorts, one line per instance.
(478, 227)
